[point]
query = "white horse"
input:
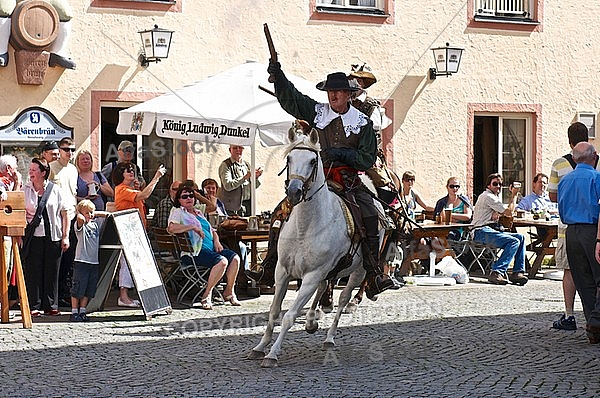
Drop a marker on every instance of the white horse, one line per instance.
(311, 243)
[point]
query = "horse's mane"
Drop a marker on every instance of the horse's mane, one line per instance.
(302, 141)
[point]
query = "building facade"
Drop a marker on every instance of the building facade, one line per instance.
(526, 73)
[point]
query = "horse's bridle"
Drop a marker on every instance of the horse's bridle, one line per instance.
(306, 181)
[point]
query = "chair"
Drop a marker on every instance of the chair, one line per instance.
(166, 251)
(196, 276)
(472, 254)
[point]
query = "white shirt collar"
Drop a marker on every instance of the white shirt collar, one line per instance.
(353, 120)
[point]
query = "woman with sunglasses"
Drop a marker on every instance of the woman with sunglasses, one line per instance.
(410, 197)
(127, 197)
(208, 250)
(462, 210)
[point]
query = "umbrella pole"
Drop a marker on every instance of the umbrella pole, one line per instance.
(253, 177)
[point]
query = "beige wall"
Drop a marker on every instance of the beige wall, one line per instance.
(554, 68)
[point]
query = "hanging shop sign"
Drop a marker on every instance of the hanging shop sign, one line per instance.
(35, 124)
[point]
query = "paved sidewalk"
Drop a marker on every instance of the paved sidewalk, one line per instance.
(472, 340)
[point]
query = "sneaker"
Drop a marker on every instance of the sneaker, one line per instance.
(496, 278)
(398, 283)
(518, 278)
(565, 323)
(75, 318)
(84, 318)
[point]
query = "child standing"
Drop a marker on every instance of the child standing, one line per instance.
(85, 267)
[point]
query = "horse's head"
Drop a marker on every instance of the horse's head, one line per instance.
(304, 169)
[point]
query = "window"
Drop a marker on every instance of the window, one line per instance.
(507, 11)
(589, 119)
(376, 7)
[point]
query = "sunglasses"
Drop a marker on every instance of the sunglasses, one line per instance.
(410, 180)
(128, 170)
(454, 186)
(190, 196)
(496, 184)
(68, 149)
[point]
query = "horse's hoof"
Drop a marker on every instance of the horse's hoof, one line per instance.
(350, 308)
(328, 345)
(256, 354)
(269, 363)
(327, 309)
(311, 327)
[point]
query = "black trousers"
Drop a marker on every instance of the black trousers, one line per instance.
(581, 247)
(41, 274)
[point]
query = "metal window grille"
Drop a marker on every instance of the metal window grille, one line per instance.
(378, 4)
(503, 8)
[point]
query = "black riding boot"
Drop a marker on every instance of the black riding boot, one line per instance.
(377, 281)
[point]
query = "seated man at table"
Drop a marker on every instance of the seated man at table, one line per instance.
(487, 230)
(538, 199)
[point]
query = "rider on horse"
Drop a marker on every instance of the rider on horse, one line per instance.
(348, 145)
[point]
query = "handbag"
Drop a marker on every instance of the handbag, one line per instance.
(234, 223)
(35, 221)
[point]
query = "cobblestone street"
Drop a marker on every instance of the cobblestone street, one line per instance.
(467, 340)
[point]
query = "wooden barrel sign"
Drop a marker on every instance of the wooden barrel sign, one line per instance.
(34, 26)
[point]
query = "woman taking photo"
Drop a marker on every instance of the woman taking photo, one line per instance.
(50, 238)
(91, 184)
(208, 251)
(127, 197)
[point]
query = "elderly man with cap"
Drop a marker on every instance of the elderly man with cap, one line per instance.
(126, 151)
(348, 145)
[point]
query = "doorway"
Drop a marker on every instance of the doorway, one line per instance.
(152, 151)
(501, 145)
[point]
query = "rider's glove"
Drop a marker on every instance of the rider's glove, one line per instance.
(274, 68)
(344, 155)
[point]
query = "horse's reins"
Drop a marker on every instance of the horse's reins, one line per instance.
(306, 181)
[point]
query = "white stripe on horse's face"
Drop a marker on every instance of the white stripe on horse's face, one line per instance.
(302, 165)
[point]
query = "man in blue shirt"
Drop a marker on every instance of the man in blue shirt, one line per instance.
(539, 197)
(578, 196)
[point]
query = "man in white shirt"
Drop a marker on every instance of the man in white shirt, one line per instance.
(235, 177)
(64, 174)
(486, 214)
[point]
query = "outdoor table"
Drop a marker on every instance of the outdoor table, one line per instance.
(415, 250)
(542, 245)
(232, 240)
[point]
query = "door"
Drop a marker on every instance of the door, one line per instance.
(501, 145)
(151, 151)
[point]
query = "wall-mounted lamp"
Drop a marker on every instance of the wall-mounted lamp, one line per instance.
(156, 43)
(447, 61)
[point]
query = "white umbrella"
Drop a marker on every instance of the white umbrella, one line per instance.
(227, 108)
